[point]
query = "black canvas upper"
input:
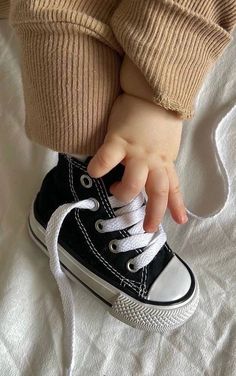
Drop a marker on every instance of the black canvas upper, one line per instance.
(79, 237)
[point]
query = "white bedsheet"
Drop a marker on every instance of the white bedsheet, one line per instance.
(30, 310)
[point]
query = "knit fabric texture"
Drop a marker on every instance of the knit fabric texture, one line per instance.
(72, 51)
(4, 8)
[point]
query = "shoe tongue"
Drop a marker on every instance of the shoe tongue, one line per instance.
(111, 177)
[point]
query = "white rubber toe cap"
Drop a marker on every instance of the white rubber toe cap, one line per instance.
(173, 283)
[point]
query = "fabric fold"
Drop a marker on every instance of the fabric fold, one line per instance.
(174, 43)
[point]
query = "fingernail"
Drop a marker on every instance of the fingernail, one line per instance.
(184, 218)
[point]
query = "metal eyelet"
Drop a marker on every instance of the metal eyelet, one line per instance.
(97, 205)
(99, 225)
(86, 181)
(113, 246)
(130, 266)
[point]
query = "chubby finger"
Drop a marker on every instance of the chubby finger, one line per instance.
(157, 189)
(132, 182)
(107, 157)
(175, 200)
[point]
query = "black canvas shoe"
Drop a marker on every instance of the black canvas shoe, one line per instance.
(103, 245)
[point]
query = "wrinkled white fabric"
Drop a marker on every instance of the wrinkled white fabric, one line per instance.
(31, 316)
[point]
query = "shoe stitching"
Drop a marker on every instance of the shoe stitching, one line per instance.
(93, 249)
(144, 271)
(124, 233)
(74, 194)
(91, 246)
(78, 165)
(141, 285)
(145, 282)
(85, 232)
(102, 188)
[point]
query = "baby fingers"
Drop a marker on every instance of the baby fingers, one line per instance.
(175, 201)
(133, 181)
(157, 189)
(107, 157)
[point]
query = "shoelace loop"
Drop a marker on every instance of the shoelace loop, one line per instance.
(127, 215)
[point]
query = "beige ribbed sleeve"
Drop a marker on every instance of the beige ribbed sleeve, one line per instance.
(72, 50)
(4, 8)
(70, 68)
(174, 42)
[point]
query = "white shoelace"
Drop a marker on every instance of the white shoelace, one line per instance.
(127, 215)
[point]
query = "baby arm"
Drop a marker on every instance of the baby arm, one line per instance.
(145, 138)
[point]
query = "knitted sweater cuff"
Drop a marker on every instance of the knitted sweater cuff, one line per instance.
(4, 8)
(172, 46)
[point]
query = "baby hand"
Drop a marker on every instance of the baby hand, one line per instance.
(145, 138)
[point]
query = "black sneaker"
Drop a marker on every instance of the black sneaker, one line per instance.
(103, 245)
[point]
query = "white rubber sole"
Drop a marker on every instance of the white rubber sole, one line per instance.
(125, 308)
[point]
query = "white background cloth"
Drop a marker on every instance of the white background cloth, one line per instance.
(31, 310)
